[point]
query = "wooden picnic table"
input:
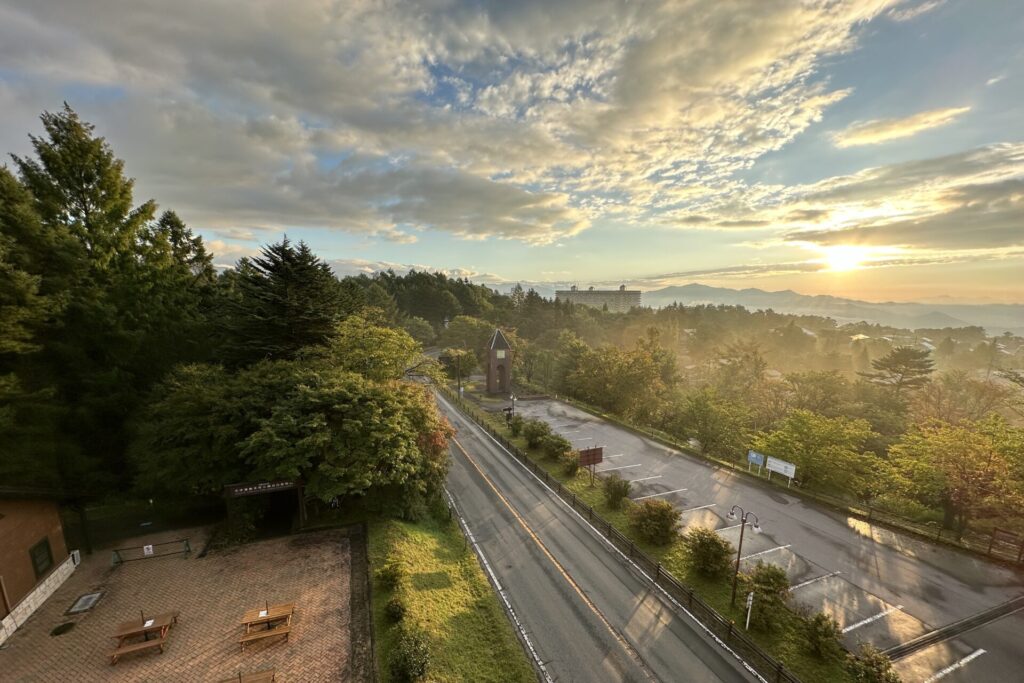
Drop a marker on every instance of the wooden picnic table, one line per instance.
(264, 615)
(159, 624)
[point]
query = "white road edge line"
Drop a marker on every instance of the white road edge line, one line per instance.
(663, 493)
(954, 666)
(656, 476)
(497, 586)
(884, 613)
(702, 507)
(764, 552)
(623, 467)
(583, 520)
(814, 580)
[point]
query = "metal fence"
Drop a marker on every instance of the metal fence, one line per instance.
(724, 629)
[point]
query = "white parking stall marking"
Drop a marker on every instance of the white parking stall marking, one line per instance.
(884, 613)
(623, 467)
(617, 455)
(955, 665)
(764, 552)
(729, 527)
(582, 438)
(816, 579)
(663, 493)
(702, 507)
(656, 476)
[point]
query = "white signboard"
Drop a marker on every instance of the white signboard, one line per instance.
(784, 468)
(147, 550)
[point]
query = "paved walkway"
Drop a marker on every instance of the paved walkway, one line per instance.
(212, 593)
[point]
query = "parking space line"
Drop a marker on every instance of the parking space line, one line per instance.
(582, 438)
(808, 582)
(623, 467)
(764, 552)
(656, 476)
(954, 666)
(663, 493)
(728, 527)
(702, 507)
(864, 622)
(617, 455)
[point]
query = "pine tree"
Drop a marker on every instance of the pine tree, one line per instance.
(902, 368)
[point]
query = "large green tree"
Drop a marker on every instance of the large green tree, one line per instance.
(905, 368)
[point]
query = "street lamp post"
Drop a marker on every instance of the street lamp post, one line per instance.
(755, 527)
(513, 397)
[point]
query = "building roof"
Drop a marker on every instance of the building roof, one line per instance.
(498, 341)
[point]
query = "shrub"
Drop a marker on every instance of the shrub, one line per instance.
(771, 590)
(535, 431)
(823, 634)
(391, 574)
(410, 659)
(570, 463)
(394, 609)
(870, 665)
(555, 446)
(708, 553)
(516, 425)
(655, 521)
(616, 489)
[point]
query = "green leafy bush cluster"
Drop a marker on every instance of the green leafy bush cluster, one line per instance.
(707, 552)
(615, 489)
(655, 521)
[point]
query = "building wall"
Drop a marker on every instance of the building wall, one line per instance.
(23, 524)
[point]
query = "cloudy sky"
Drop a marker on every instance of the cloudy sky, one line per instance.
(870, 148)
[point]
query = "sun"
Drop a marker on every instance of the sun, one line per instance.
(843, 258)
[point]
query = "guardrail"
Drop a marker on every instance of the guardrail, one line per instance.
(724, 629)
(149, 551)
(999, 544)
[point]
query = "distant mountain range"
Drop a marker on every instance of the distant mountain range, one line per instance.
(995, 318)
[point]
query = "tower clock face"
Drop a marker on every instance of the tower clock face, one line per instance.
(501, 354)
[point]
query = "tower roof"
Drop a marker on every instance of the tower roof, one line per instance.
(498, 341)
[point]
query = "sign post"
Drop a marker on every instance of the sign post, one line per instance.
(750, 604)
(590, 457)
(755, 458)
(787, 469)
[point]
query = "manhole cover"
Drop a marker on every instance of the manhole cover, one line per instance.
(84, 603)
(63, 628)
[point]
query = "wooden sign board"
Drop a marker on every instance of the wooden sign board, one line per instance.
(591, 456)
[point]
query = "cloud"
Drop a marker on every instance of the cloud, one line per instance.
(226, 255)
(524, 121)
(910, 13)
(883, 130)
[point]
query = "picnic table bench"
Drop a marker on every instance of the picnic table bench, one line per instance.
(281, 614)
(265, 676)
(265, 633)
(136, 647)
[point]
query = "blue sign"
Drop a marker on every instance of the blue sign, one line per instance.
(755, 458)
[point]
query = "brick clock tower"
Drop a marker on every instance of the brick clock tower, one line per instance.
(499, 364)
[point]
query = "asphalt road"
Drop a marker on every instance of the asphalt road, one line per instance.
(587, 615)
(883, 587)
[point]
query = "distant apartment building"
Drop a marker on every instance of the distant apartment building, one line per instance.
(615, 300)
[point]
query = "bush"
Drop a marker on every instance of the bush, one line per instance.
(708, 553)
(570, 463)
(655, 521)
(391, 574)
(410, 659)
(535, 431)
(394, 609)
(870, 665)
(515, 425)
(771, 590)
(555, 446)
(823, 634)
(616, 489)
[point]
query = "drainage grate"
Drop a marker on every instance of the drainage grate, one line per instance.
(63, 628)
(84, 603)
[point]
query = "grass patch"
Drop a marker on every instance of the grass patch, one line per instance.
(445, 593)
(786, 642)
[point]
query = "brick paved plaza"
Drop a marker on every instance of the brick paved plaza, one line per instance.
(212, 593)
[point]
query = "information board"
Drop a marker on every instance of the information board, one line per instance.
(755, 458)
(784, 468)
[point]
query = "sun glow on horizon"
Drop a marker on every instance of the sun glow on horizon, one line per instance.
(844, 258)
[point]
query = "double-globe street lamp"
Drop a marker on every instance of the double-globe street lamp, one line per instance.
(755, 527)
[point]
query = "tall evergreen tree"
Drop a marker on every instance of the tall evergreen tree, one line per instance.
(902, 368)
(278, 303)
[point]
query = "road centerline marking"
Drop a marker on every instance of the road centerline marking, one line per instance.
(864, 622)
(663, 493)
(630, 650)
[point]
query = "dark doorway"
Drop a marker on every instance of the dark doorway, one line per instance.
(502, 379)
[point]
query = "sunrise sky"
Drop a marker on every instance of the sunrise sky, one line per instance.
(869, 149)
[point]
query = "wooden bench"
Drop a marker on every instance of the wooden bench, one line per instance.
(266, 676)
(136, 647)
(264, 633)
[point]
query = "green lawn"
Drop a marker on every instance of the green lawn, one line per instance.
(447, 595)
(785, 643)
